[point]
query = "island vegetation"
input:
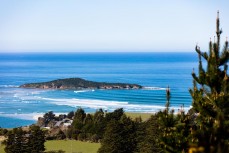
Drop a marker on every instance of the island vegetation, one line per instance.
(79, 84)
(203, 129)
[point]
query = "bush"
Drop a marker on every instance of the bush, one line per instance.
(95, 138)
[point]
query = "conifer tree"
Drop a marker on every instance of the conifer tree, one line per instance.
(88, 120)
(20, 141)
(119, 136)
(79, 118)
(116, 115)
(210, 95)
(174, 128)
(88, 127)
(99, 123)
(16, 142)
(147, 135)
(111, 138)
(36, 140)
(77, 124)
(70, 115)
(167, 122)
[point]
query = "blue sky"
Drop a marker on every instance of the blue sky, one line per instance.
(109, 25)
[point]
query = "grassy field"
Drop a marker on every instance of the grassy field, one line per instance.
(2, 149)
(72, 146)
(144, 116)
(69, 146)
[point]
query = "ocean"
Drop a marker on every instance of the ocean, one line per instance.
(156, 71)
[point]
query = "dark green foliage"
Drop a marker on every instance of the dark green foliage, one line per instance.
(3, 131)
(78, 83)
(49, 117)
(99, 116)
(70, 115)
(78, 123)
(128, 134)
(174, 129)
(61, 117)
(36, 140)
(88, 128)
(116, 115)
(206, 126)
(140, 135)
(88, 120)
(147, 136)
(82, 136)
(111, 138)
(92, 127)
(119, 136)
(78, 119)
(99, 123)
(95, 138)
(20, 141)
(61, 135)
(210, 95)
(15, 142)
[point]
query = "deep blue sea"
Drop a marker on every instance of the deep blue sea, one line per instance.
(19, 107)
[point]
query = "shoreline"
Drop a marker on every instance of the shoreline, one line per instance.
(34, 116)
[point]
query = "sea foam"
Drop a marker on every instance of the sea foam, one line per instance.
(29, 116)
(153, 88)
(79, 91)
(108, 105)
(8, 86)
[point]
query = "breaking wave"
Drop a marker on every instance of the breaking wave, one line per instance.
(8, 86)
(153, 88)
(108, 105)
(29, 116)
(79, 91)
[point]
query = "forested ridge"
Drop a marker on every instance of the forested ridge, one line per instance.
(79, 84)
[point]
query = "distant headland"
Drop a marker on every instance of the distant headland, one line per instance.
(79, 84)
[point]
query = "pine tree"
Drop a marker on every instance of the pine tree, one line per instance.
(16, 142)
(49, 117)
(111, 138)
(70, 115)
(210, 95)
(88, 126)
(99, 123)
(119, 136)
(79, 118)
(116, 115)
(78, 122)
(174, 128)
(147, 135)
(36, 140)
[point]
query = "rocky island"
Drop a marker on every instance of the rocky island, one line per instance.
(79, 84)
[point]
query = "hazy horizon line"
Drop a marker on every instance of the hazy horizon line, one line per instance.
(100, 51)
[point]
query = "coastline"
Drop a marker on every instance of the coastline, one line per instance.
(34, 117)
(154, 71)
